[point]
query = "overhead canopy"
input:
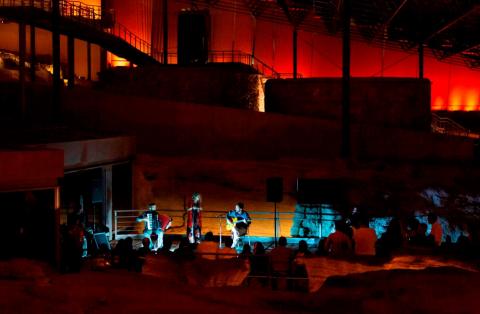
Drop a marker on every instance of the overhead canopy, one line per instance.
(449, 28)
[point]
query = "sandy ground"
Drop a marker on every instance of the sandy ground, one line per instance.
(433, 290)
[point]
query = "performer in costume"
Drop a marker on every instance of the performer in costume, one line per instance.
(238, 221)
(155, 226)
(194, 219)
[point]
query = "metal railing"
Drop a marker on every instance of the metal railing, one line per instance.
(447, 126)
(235, 56)
(79, 9)
(125, 223)
(104, 21)
(216, 56)
(290, 75)
(91, 15)
(120, 31)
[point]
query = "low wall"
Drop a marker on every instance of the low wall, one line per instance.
(393, 102)
(182, 129)
(226, 85)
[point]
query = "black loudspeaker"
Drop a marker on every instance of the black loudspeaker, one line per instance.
(320, 191)
(275, 189)
(193, 37)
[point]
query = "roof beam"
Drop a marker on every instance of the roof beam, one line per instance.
(399, 8)
(461, 51)
(381, 30)
(451, 23)
(300, 11)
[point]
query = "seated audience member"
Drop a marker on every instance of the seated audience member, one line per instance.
(185, 250)
(259, 265)
(390, 240)
(246, 251)
(302, 250)
(299, 270)
(436, 232)
(281, 259)
(321, 248)
(142, 253)
(207, 249)
(412, 228)
(338, 244)
(364, 239)
(420, 236)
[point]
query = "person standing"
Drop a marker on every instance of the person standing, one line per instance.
(194, 219)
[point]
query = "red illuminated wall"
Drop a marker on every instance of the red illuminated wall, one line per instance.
(453, 87)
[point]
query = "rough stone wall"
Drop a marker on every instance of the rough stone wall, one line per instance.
(393, 102)
(233, 86)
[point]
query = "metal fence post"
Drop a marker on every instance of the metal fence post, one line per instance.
(115, 224)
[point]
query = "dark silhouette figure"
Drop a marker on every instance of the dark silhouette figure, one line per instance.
(259, 265)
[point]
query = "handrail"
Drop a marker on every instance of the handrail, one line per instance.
(125, 224)
(91, 15)
(448, 126)
(224, 56)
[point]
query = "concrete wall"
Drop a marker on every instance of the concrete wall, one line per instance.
(30, 169)
(397, 102)
(95, 152)
(224, 85)
(182, 129)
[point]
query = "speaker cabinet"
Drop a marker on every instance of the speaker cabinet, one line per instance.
(193, 37)
(275, 189)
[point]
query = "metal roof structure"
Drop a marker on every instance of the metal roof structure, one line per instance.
(447, 29)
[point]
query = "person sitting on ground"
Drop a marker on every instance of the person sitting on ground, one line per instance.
(436, 232)
(185, 250)
(338, 244)
(142, 253)
(207, 249)
(364, 238)
(412, 228)
(420, 237)
(246, 251)
(302, 250)
(321, 247)
(299, 268)
(391, 239)
(259, 264)
(226, 252)
(281, 259)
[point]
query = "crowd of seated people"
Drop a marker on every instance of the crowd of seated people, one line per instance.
(359, 240)
(283, 267)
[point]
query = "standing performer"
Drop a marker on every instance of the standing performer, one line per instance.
(194, 219)
(155, 226)
(238, 221)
